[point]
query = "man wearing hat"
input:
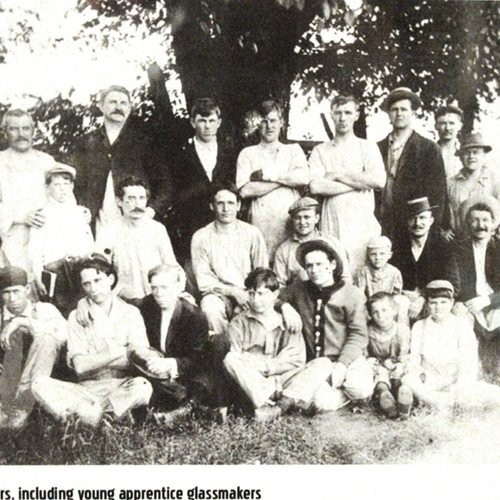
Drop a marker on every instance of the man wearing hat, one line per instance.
(32, 335)
(65, 234)
(478, 259)
(304, 214)
(422, 254)
(22, 193)
(334, 324)
(448, 125)
(346, 171)
(474, 179)
(98, 353)
(413, 163)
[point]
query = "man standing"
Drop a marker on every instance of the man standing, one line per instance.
(334, 324)
(474, 179)
(448, 125)
(304, 214)
(413, 163)
(135, 242)
(98, 353)
(223, 254)
(119, 148)
(345, 171)
(35, 328)
(22, 187)
(200, 164)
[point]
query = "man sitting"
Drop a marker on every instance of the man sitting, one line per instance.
(35, 328)
(223, 254)
(135, 242)
(98, 353)
(305, 217)
(334, 325)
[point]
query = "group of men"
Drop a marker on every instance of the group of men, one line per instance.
(125, 242)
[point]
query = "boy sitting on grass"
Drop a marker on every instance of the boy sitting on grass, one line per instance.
(265, 360)
(444, 362)
(388, 346)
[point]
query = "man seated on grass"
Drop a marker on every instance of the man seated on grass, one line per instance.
(135, 242)
(179, 331)
(265, 360)
(98, 353)
(36, 328)
(335, 329)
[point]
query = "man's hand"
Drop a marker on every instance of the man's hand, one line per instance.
(241, 297)
(338, 374)
(163, 367)
(291, 318)
(477, 304)
(13, 325)
(83, 315)
(448, 235)
(40, 288)
(36, 218)
(416, 307)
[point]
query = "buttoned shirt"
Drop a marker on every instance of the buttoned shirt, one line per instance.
(479, 250)
(207, 153)
(462, 186)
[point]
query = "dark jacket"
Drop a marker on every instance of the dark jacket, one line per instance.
(420, 173)
(133, 153)
(190, 209)
(437, 261)
(467, 270)
(187, 336)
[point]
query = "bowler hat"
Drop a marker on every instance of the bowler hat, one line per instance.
(12, 276)
(474, 141)
(317, 244)
(417, 206)
(302, 204)
(398, 94)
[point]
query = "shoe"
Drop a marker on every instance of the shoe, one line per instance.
(405, 401)
(169, 418)
(221, 415)
(18, 419)
(285, 404)
(267, 413)
(387, 404)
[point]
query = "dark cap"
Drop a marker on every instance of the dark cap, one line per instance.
(474, 141)
(417, 206)
(12, 276)
(317, 244)
(302, 204)
(399, 94)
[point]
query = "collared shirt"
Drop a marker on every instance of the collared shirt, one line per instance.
(418, 247)
(226, 257)
(45, 319)
(135, 250)
(452, 163)
(282, 351)
(371, 281)
(461, 187)
(479, 250)
(22, 190)
(65, 233)
(287, 268)
(207, 153)
(394, 343)
(122, 326)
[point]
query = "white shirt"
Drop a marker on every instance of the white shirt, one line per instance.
(417, 250)
(207, 153)
(479, 249)
(110, 211)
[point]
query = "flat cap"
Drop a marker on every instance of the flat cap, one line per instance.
(401, 93)
(60, 168)
(302, 204)
(440, 285)
(379, 242)
(12, 276)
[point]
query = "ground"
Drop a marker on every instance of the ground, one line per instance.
(336, 438)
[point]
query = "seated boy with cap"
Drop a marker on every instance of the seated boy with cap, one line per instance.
(65, 235)
(37, 329)
(304, 214)
(443, 366)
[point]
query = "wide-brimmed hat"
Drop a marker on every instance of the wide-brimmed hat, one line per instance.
(317, 244)
(303, 203)
(401, 93)
(474, 141)
(491, 202)
(417, 206)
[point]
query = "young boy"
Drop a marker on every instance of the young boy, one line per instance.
(265, 360)
(388, 346)
(444, 362)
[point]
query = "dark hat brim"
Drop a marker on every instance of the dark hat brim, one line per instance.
(313, 245)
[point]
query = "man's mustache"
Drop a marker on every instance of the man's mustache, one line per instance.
(138, 211)
(118, 112)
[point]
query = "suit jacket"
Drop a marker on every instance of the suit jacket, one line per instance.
(420, 173)
(134, 152)
(187, 336)
(192, 194)
(437, 261)
(464, 255)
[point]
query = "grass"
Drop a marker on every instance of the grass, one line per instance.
(339, 438)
